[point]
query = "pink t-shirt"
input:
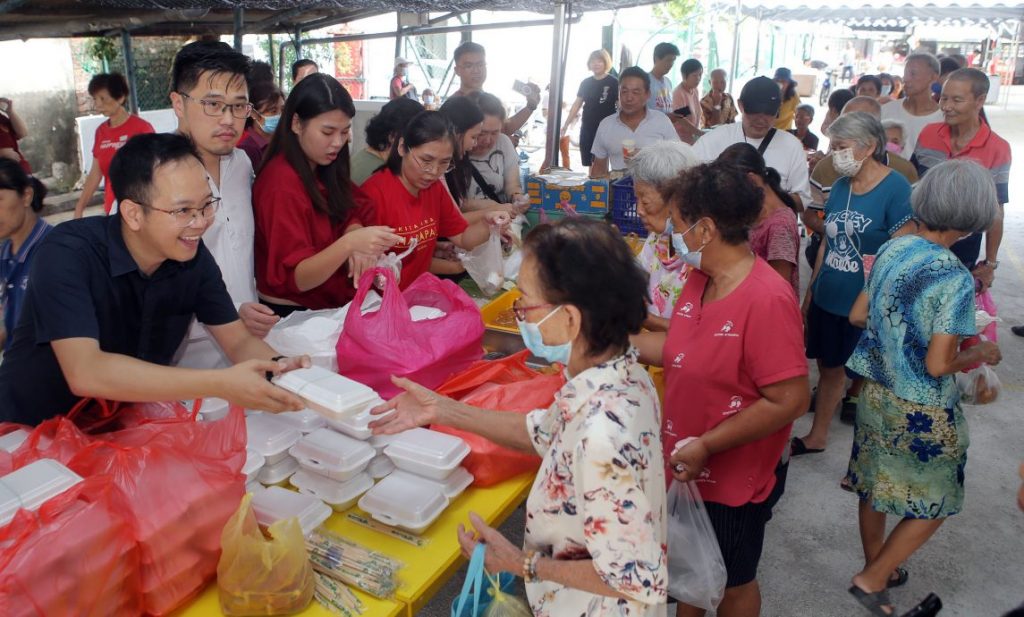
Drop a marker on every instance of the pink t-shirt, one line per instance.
(716, 358)
(776, 237)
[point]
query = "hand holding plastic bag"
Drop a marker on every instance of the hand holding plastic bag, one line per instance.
(263, 576)
(696, 570)
(980, 386)
(486, 264)
(495, 600)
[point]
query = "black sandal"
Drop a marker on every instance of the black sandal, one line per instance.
(797, 447)
(929, 607)
(900, 580)
(874, 601)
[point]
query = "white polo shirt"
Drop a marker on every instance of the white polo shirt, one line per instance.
(230, 240)
(894, 110)
(785, 154)
(611, 132)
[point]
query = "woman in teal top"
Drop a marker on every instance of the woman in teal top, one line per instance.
(910, 436)
(867, 206)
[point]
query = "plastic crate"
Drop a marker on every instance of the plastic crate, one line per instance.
(624, 214)
(533, 216)
(590, 197)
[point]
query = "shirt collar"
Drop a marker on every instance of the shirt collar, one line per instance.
(39, 230)
(647, 115)
(978, 141)
(579, 389)
(121, 261)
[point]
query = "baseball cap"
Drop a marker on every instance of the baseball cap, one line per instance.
(399, 61)
(761, 96)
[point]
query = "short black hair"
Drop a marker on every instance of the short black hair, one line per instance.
(389, 123)
(131, 170)
(463, 114)
(586, 263)
(114, 83)
(870, 79)
(469, 47)
(719, 191)
(301, 62)
(14, 178)
(199, 57)
(260, 71)
(691, 66)
(639, 73)
(260, 93)
(807, 109)
(839, 98)
(748, 159)
(665, 49)
(948, 64)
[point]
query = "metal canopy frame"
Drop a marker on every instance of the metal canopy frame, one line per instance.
(874, 13)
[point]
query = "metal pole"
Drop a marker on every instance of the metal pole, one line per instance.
(270, 47)
(239, 27)
(398, 34)
(129, 69)
(736, 46)
(555, 94)
(298, 42)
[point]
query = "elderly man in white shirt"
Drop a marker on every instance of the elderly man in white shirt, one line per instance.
(759, 103)
(632, 128)
(210, 97)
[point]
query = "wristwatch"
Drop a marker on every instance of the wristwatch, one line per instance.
(994, 264)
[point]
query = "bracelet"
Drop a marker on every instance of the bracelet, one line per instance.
(530, 566)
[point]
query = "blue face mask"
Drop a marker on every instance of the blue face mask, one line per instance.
(270, 123)
(535, 341)
(689, 257)
(677, 239)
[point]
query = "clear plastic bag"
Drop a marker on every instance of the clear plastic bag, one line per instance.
(505, 604)
(696, 570)
(486, 264)
(979, 386)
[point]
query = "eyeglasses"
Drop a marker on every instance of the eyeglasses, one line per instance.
(185, 217)
(216, 108)
(520, 311)
(433, 168)
(473, 66)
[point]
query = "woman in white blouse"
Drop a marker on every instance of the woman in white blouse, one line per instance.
(595, 517)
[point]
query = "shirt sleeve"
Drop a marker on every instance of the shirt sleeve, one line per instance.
(953, 302)
(623, 534)
(450, 220)
(365, 213)
(60, 291)
(799, 182)
(704, 145)
(284, 219)
(600, 148)
(898, 211)
(668, 132)
(540, 425)
(783, 244)
(773, 340)
(581, 92)
(214, 306)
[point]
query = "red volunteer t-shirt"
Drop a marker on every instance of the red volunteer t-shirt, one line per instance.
(8, 140)
(426, 217)
(289, 230)
(716, 357)
(108, 141)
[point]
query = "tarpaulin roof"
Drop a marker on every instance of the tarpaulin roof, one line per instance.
(23, 19)
(874, 13)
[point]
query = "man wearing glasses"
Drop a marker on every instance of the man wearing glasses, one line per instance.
(210, 97)
(111, 299)
(471, 67)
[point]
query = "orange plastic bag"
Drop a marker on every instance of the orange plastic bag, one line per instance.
(75, 556)
(503, 385)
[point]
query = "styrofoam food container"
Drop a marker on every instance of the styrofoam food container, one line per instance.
(331, 454)
(427, 453)
(37, 482)
(339, 495)
(9, 504)
(327, 393)
(405, 502)
(270, 437)
(305, 421)
(13, 440)
(213, 409)
(358, 426)
(380, 467)
(380, 442)
(275, 503)
(254, 461)
(279, 472)
(253, 487)
(452, 486)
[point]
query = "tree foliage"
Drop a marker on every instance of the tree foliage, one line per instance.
(676, 11)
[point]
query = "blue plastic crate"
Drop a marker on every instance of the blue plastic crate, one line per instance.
(591, 197)
(624, 214)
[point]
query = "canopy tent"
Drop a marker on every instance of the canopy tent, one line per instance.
(873, 13)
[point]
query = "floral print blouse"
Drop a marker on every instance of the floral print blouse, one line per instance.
(667, 274)
(600, 492)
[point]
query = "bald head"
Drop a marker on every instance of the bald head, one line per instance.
(865, 104)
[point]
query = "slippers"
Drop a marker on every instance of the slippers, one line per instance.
(797, 448)
(929, 607)
(900, 580)
(874, 602)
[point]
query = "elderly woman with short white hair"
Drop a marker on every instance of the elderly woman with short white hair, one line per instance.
(910, 437)
(652, 168)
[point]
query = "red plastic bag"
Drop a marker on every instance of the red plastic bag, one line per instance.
(503, 385)
(74, 556)
(387, 342)
(982, 302)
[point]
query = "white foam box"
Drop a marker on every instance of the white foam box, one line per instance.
(305, 421)
(270, 437)
(278, 473)
(327, 393)
(427, 453)
(404, 501)
(276, 503)
(33, 485)
(339, 495)
(331, 454)
(380, 467)
(13, 440)
(452, 486)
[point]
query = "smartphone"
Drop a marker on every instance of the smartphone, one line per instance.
(683, 111)
(523, 88)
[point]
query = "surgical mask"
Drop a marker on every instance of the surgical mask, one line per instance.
(677, 238)
(846, 163)
(428, 100)
(270, 123)
(886, 90)
(894, 148)
(691, 258)
(534, 341)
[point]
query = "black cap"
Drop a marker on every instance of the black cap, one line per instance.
(761, 96)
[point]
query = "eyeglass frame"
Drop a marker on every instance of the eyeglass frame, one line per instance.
(205, 103)
(520, 311)
(433, 168)
(194, 213)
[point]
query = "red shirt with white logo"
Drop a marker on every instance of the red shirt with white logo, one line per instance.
(427, 216)
(108, 141)
(716, 357)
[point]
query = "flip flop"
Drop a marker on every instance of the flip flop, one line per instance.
(900, 580)
(874, 601)
(797, 448)
(930, 607)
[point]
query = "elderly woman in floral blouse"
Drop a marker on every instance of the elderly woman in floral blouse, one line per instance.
(596, 527)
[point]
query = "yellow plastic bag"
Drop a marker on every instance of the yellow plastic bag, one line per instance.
(259, 575)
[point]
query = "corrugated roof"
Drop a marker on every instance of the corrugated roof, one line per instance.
(873, 13)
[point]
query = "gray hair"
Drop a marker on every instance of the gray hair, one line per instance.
(894, 124)
(866, 104)
(978, 80)
(861, 128)
(926, 59)
(662, 161)
(957, 194)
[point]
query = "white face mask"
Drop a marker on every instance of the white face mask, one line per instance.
(886, 90)
(846, 163)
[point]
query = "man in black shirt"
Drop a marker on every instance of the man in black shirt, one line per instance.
(111, 298)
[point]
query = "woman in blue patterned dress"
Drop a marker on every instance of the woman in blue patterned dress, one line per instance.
(910, 440)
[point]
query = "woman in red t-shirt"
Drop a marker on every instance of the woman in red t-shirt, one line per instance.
(310, 235)
(410, 195)
(109, 92)
(735, 372)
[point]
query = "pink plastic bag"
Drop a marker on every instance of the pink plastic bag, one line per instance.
(374, 346)
(984, 302)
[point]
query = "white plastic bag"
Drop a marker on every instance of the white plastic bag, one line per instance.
(696, 570)
(979, 386)
(486, 264)
(394, 261)
(310, 332)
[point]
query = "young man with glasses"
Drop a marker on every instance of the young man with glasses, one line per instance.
(471, 68)
(210, 97)
(111, 299)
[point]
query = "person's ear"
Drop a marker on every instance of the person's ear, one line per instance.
(178, 105)
(132, 214)
(296, 124)
(402, 150)
(574, 318)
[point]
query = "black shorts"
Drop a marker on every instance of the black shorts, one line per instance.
(830, 338)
